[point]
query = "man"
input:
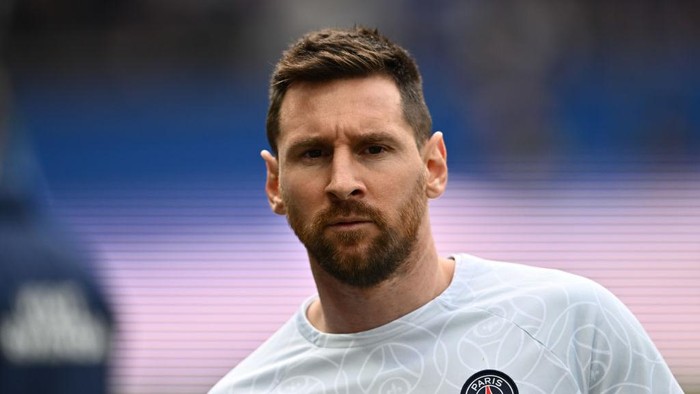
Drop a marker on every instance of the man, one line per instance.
(352, 167)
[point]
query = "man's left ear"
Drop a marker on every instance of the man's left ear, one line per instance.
(435, 160)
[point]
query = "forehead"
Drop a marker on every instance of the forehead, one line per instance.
(349, 105)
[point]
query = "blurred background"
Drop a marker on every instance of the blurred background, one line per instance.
(573, 132)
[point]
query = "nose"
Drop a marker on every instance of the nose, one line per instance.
(344, 182)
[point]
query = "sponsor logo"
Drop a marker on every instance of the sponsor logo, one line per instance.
(489, 381)
(52, 323)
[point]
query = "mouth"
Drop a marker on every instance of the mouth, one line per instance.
(349, 223)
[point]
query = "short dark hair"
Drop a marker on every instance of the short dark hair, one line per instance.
(331, 54)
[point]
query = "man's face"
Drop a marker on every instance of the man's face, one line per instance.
(351, 179)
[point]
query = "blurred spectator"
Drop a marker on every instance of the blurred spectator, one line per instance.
(55, 324)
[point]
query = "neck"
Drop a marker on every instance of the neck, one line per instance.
(342, 308)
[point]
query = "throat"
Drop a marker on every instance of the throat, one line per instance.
(345, 309)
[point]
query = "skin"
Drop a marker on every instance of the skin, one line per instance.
(347, 140)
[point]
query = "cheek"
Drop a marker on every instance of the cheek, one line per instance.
(397, 186)
(403, 191)
(300, 196)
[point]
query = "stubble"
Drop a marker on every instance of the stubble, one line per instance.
(357, 257)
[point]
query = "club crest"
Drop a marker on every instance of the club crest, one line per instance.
(489, 381)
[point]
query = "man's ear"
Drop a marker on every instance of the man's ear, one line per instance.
(272, 183)
(435, 159)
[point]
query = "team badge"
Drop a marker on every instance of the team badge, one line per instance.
(489, 381)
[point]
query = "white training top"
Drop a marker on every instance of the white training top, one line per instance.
(499, 328)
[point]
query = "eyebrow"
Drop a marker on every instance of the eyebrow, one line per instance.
(307, 143)
(364, 138)
(377, 137)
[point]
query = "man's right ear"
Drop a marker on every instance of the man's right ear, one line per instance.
(272, 183)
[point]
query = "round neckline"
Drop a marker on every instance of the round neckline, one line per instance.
(369, 337)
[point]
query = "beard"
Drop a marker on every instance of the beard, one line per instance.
(355, 257)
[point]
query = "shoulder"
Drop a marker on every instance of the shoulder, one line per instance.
(493, 282)
(537, 298)
(265, 366)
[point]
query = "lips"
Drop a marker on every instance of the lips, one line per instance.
(347, 222)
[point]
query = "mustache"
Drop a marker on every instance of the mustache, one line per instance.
(345, 208)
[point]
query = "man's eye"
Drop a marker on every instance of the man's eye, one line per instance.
(313, 153)
(375, 149)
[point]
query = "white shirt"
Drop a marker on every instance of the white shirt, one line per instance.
(546, 330)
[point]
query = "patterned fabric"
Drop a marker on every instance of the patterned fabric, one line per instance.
(547, 330)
